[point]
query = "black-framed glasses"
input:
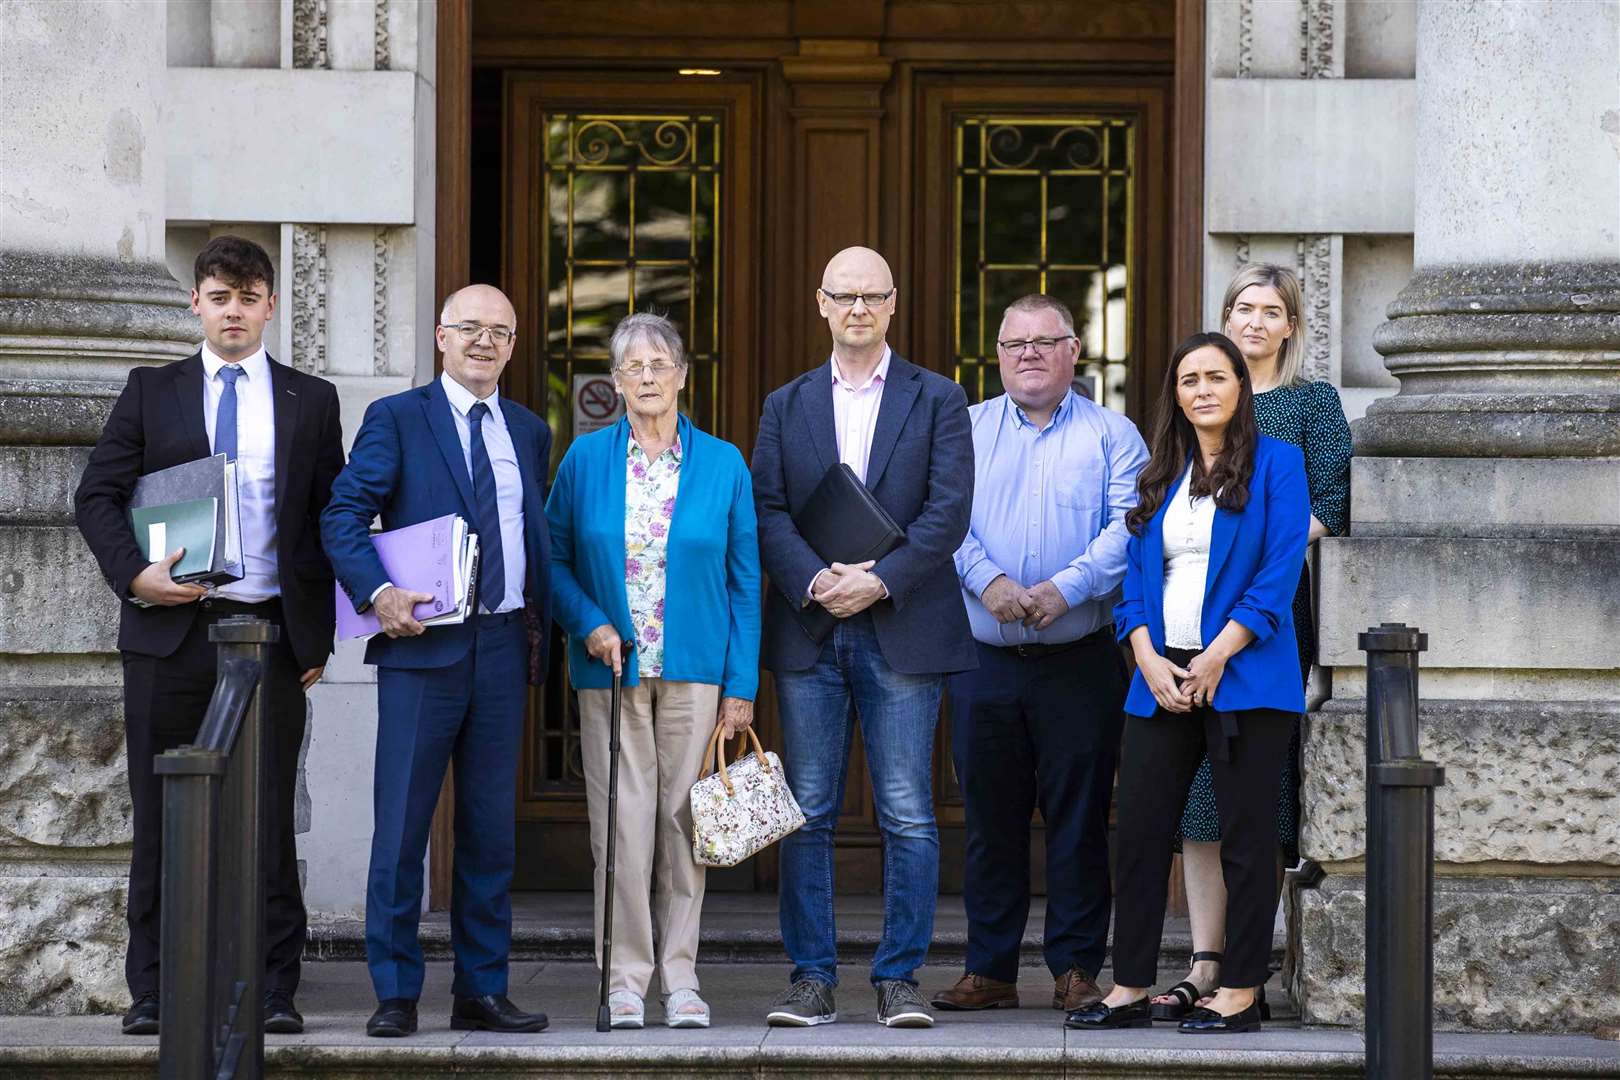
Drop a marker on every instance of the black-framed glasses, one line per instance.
(470, 332)
(847, 299)
(1043, 345)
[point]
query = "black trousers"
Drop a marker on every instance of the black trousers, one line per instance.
(1160, 756)
(1027, 731)
(164, 702)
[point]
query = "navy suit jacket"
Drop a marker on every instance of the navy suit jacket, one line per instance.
(1255, 559)
(920, 470)
(431, 483)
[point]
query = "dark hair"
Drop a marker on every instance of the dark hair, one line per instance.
(235, 260)
(1173, 441)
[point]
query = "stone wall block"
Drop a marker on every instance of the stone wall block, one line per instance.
(62, 771)
(62, 943)
(53, 598)
(1510, 953)
(1526, 782)
(37, 483)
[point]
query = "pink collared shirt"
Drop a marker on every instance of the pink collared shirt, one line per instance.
(855, 413)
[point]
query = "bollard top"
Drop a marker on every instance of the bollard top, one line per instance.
(1393, 637)
(244, 630)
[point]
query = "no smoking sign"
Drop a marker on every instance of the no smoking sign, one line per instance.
(596, 404)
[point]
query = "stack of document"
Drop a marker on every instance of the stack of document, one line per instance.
(191, 506)
(437, 557)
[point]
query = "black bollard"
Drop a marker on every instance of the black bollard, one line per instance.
(1400, 861)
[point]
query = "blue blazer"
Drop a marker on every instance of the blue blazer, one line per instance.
(1255, 559)
(711, 617)
(418, 423)
(920, 470)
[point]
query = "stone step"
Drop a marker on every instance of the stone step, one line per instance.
(737, 929)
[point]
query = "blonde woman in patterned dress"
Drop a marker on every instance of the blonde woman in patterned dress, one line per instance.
(653, 542)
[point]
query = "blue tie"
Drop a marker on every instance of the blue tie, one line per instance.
(491, 563)
(225, 418)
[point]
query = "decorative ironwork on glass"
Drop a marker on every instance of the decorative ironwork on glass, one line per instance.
(1045, 204)
(630, 210)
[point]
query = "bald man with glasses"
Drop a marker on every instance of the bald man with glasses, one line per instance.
(901, 626)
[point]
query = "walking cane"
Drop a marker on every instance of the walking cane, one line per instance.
(604, 1019)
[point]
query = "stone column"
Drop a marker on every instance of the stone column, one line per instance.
(83, 295)
(1486, 510)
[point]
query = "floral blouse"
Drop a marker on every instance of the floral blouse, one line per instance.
(649, 506)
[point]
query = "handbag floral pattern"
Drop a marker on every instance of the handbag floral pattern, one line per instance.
(758, 809)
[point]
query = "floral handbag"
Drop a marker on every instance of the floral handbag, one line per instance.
(738, 811)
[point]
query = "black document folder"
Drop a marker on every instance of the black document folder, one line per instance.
(206, 478)
(842, 522)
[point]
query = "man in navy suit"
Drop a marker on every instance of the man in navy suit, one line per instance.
(902, 626)
(451, 693)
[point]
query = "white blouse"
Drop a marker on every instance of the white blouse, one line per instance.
(1188, 524)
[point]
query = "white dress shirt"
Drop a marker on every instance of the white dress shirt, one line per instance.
(855, 413)
(1188, 526)
(255, 470)
(508, 480)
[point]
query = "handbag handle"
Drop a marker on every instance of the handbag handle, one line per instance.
(715, 756)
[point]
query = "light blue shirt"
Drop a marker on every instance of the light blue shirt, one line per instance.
(255, 471)
(508, 480)
(1049, 504)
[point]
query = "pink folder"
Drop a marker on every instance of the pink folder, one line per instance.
(420, 557)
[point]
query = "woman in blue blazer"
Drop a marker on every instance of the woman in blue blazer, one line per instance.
(653, 542)
(1217, 545)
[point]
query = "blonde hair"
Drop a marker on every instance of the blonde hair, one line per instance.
(1291, 358)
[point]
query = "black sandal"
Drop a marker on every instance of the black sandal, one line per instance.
(1185, 993)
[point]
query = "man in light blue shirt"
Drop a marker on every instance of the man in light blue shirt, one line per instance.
(1038, 724)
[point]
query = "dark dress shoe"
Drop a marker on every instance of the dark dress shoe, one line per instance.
(1074, 989)
(1100, 1017)
(394, 1019)
(973, 992)
(493, 1012)
(1202, 1021)
(142, 1017)
(281, 1016)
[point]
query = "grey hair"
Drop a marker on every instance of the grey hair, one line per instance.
(1035, 302)
(654, 329)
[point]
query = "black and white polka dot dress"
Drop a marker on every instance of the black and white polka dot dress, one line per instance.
(1310, 416)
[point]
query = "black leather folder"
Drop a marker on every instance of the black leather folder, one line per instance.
(842, 522)
(206, 478)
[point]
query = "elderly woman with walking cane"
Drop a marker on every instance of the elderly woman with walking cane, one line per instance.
(653, 544)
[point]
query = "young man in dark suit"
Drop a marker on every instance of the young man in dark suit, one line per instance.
(282, 429)
(451, 693)
(902, 626)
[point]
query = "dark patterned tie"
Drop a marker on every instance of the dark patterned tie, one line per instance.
(225, 418)
(491, 563)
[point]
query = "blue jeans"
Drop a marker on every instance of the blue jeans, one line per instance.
(898, 714)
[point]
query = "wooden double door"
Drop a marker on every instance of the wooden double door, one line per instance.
(715, 189)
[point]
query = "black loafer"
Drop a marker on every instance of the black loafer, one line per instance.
(281, 1016)
(1202, 1021)
(494, 1012)
(1100, 1017)
(142, 1017)
(394, 1019)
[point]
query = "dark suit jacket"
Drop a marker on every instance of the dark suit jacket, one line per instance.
(920, 470)
(418, 423)
(158, 422)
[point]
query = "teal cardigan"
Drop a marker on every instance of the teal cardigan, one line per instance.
(711, 625)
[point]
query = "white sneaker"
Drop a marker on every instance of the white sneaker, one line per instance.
(626, 1011)
(685, 1009)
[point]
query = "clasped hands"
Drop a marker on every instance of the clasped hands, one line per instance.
(605, 646)
(1037, 607)
(1197, 684)
(847, 589)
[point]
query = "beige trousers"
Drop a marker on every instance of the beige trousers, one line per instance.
(664, 729)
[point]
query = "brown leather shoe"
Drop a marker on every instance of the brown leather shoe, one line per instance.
(973, 992)
(1074, 989)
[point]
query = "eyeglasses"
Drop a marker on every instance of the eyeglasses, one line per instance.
(659, 368)
(1043, 345)
(471, 332)
(847, 299)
